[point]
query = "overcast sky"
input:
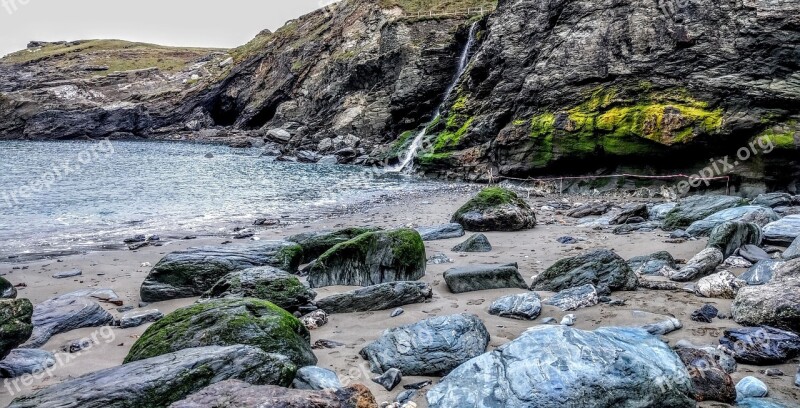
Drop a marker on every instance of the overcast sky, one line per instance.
(223, 23)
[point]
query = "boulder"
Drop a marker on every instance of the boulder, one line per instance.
(711, 381)
(475, 243)
(558, 366)
(227, 322)
(774, 200)
(590, 209)
(721, 356)
(432, 347)
(747, 214)
(315, 319)
(265, 283)
(443, 231)
(377, 297)
(474, 278)
(317, 243)
(602, 268)
(775, 304)
(575, 298)
(64, 314)
(751, 387)
(7, 290)
(753, 253)
(526, 306)
(761, 345)
(279, 135)
(239, 394)
(763, 271)
(722, 285)
(495, 209)
(138, 318)
(315, 378)
(26, 361)
(635, 212)
(190, 273)
(703, 264)
(696, 208)
(731, 236)
(371, 259)
(782, 232)
(658, 264)
(160, 381)
(15, 324)
(659, 212)
(793, 251)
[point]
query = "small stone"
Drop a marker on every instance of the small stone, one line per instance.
(568, 320)
(397, 312)
(418, 386)
(549, 320)
(567, 241)
(772, 372)
(439, 259)
(706, 314)
(751, 387)
(68, 274)
(679, 234)
(406, 396)
(136, 319)
(315, 319)
(389, 379)
(315, 378)
(475, 243)
(737, 262)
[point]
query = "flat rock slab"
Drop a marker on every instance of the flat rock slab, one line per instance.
(793, 251)
(160, 381)
(750, 213)
(783, 231)
(68, 274)
(432, 347)
(474, 278)
(443, 231)
(762, 272)
(239, 394)
(575, 298)
(378, 297)
(761, 345)
(26, 361)
(64, 314)
(602, 268)
(526, 306)
(774, 200)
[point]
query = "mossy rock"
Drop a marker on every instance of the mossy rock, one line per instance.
(317, 243)
(265, 283)
(226, 322)
(371, 259)
(7, 290)
(730, 236)
(697, 208)
(495, 209)
(15, 324)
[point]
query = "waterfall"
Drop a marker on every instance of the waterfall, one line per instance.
(462, 66)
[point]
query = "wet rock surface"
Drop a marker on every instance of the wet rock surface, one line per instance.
(474, 278)
(378, 297)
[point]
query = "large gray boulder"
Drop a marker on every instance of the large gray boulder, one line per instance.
(495, 209)
(750, 213)
(64, 314)
(526, 306)
(473, 278)
(783, 231)
(370, 259)
(730, 236)
(190, 273)
(602, 268)
(265, 283)
(776, 303)
(443, 231)
(160, 381)
(377, 297)
(317, 243)
(696, 208)
(15, 324)
(557, 366)
(225, 322)
(702, 265)
(239, 394)
(7, 290)
(432, 347)
(26, 361)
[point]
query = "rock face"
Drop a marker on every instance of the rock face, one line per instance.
(15, 324)
(556, 366)
(475, 243)
(575, 298)
(731, 236)
(495, 209)
(760, 216)
(696, 208)
(239, 394)
(658, 264)
(711, 382)
(370, 259)
(775, 304)
(378, 297)
(227, 322)
(783, 231)
(60, 315)
(474, 278)
(7, 290)
(602, 268)
(722, 285)
(703, 264)
(432, 347)
(190, 273)
(265, 283)
(761, 345)
(160, 381)
(439, 232)
(527, 306)
(317, 243)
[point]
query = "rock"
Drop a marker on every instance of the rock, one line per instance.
(782, 232)
(558, 366)
(238, 394)
(772, 372)
(797, 378)
(737, 262)
(602, 268)
(159, 381)
(679, 234)
(315, 319)
(590, 209)
(190, 273)
(793, 251)
(15, 324)
(722, 285)
(68, 274)
(305, 156)
(753, 253)
(26, 361)
(730, 236)
(711, 381)
(371, 259)
(279, 135)
(136, 319)
(378, 297)
(776, 304)
(696, 208)
(244, 234)
(751, 387)
(575, 298)
(762, 272)
(631, 215)
(328, 160)
(658, 264)
(723, 358)
(526, 306)
(103, 295)
(317, 243)
(663, 327)
(703, 264)
(475, 243)
(439, 259)
(225, 322)
(135, 239)
(549, 320)
(315, 378)
(774, 200)
(432, 347)
(761, 403)
(634, 227)
(761, 345)
(265, 283)
(64, 314)
(474, 278)
(406, 396)
(389, 379)
(568, 320)
(660, 211)
(567, 241)
(7, 290)
(495, 209)
(439, 232)
(705, 314)
(747, 214)
(397, 312)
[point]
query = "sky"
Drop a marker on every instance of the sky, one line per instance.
(200, 23)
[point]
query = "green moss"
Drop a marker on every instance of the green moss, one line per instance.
(291, 257)
(781, 136)
(488, 198)
(452, 134)
(434, 159)
(407, 245)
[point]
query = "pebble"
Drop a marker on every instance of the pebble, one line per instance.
(568, 320)
(398, 312)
